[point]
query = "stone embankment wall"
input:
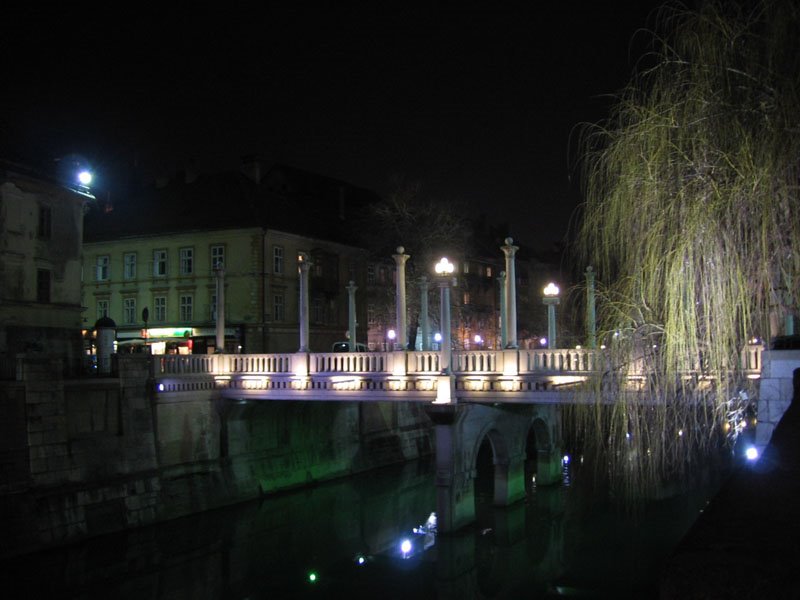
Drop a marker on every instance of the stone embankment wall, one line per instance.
(85, 457)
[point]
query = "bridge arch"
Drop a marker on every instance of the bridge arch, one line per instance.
(504, 431)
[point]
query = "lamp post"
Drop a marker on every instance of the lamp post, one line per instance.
(551, 300)
(444, 269)
(445, 389)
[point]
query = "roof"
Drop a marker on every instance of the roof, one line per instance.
(285, 198)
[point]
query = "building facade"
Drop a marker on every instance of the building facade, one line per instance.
(204, 232)
(41, 225)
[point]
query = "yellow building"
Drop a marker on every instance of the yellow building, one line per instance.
(41, 225)
(162, 252)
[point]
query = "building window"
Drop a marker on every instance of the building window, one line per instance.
(466, 268)
(352, 270)
(102, 271)
(160, 305)
(466, 298)
(129, 310)
(129, 265)
(317, 311)
(102, 309)
(279, 309)
(43, 285)
(159, 263)
(488, 271)
(217, 257)
(44, 229)
(277, 260)
(371, 319)
(370, 274)
(187, 261)
(212, 308)
(186, 308)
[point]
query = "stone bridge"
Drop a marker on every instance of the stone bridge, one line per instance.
(495, 376)
(510, 399)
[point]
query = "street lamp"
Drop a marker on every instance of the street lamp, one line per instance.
(445, 390)
(551, 300)
(444, 269)
(391, 334)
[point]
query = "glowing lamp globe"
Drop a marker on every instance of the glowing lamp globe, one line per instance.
(551, 289)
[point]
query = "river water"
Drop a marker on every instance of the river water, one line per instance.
(345, 539)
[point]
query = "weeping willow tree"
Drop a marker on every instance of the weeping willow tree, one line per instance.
(691, 218)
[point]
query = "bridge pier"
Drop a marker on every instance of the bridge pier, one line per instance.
(548, 467)
(461, 429)
(509, 481)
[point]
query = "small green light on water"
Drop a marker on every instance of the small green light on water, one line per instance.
(312, 577)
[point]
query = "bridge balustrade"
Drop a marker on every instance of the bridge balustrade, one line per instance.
(348, 362)
(476, 361)
(558, 360)
(426, 361)
(260, 363)
(185, 364)
(506, 370)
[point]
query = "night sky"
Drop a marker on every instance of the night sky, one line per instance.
(476, 102)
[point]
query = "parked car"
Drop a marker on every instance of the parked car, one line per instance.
(345, 347)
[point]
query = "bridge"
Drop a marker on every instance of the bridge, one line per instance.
(493, 376)
(510, 398)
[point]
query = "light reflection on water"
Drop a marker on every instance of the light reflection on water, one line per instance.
(344, 538)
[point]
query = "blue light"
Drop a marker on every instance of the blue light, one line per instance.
(160, 387)
(751, 453)
(405, 547)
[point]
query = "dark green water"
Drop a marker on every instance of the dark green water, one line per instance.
(563, 541)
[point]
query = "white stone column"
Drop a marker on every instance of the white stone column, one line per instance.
(511, 293)
(220, 310)
(402, 330)
(423, 313)
(351, 314)
(303, 265)
(503, 313)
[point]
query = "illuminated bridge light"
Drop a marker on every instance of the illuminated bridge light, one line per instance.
(751, 453)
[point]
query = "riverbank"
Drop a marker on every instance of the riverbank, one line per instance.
(746, 544)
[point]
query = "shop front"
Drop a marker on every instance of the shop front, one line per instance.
(175, 340)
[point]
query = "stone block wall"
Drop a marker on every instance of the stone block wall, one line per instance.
(775, 391)
(85, 457)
